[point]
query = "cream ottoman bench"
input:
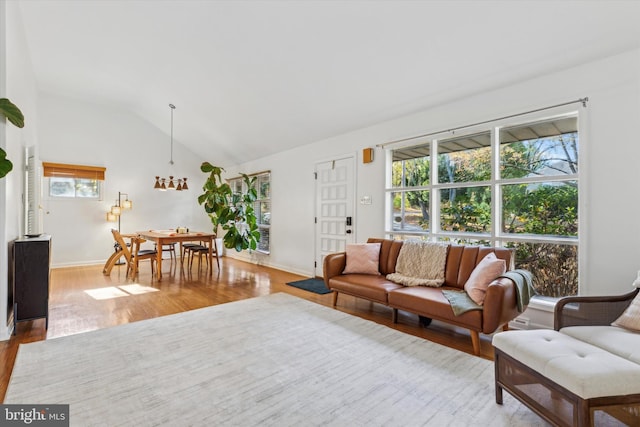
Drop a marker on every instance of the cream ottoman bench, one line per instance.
(566, 381)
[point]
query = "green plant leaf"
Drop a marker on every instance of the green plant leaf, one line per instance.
(5, 164)
(11, 112)
(233, 212)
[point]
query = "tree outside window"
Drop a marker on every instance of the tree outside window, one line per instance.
(533, 186)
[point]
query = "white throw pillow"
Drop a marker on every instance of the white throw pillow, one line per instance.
(630, 318)
(485, 272)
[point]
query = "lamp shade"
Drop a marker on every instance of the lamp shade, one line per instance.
(111, 217)
(127, 204)
(116, 210)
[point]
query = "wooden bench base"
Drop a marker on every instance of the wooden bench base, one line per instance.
(555, 403)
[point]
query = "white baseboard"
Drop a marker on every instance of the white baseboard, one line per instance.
(262, 262)
(5, 333)
(78, 264)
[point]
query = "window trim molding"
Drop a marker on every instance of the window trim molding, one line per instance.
(261, 226)
(75, 172)
(496, 236)
(265, 172)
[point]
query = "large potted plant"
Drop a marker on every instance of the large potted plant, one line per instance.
(14, 115)
(233, 212)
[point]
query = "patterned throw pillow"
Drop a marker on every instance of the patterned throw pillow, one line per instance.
(485, 272)
(630, 318)
(362, 258)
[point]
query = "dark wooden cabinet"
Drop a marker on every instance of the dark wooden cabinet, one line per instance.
(31, 258)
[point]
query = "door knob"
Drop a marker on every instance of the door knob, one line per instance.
(348, 231)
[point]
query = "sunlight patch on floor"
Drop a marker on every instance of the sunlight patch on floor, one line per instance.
(120, 291)
(137, 289)
(106, 293)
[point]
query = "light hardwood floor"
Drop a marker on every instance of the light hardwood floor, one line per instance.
(74, 310)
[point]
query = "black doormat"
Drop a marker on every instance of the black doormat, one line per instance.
(312, 285)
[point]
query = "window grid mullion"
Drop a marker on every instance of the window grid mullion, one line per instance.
(496, 189)
(499, 187)
(434, 194)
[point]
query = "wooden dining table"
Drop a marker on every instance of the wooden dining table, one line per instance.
(164, 237)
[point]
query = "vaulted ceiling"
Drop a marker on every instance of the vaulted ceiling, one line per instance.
(252, 78)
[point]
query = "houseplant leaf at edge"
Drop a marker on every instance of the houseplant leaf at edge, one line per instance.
(5, 164)
(14, 115)
(11, 112)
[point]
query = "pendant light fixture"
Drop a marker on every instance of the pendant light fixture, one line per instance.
(164, 184)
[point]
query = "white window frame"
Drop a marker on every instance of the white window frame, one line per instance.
(49, 196)
(239, 184)
(496, 237)
(73, 172)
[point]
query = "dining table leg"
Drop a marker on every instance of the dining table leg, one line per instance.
(159, 259)
(211, 257)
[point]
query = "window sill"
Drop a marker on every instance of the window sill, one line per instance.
(543, 304)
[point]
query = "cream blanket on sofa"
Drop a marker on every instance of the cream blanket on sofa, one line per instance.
(420, 264)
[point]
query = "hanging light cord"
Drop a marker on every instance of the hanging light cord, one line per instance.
(173, 107)
(160, 183)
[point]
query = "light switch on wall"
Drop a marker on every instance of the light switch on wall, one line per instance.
(365, 200)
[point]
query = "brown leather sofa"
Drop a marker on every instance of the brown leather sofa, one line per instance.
(499, 304)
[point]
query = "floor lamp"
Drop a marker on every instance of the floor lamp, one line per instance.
(115, 213)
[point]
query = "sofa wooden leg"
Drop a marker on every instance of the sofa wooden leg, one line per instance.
(335, 298)
(424, 321)
(475, 340)
(394, 315)
(505, 327)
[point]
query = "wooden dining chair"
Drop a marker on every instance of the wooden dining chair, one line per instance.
(203, 250)
(184, 253)
(168, 247)
(135, 254)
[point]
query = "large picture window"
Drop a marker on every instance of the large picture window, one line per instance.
(513, 186)
(261, 207)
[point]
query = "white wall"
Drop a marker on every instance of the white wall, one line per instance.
(18, 84)
(134, 152)
(609, 170)
(293, 199)
(75, 132)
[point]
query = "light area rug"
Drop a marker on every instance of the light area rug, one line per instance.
(273, 360)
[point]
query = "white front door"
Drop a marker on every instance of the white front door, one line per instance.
(335, 189)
